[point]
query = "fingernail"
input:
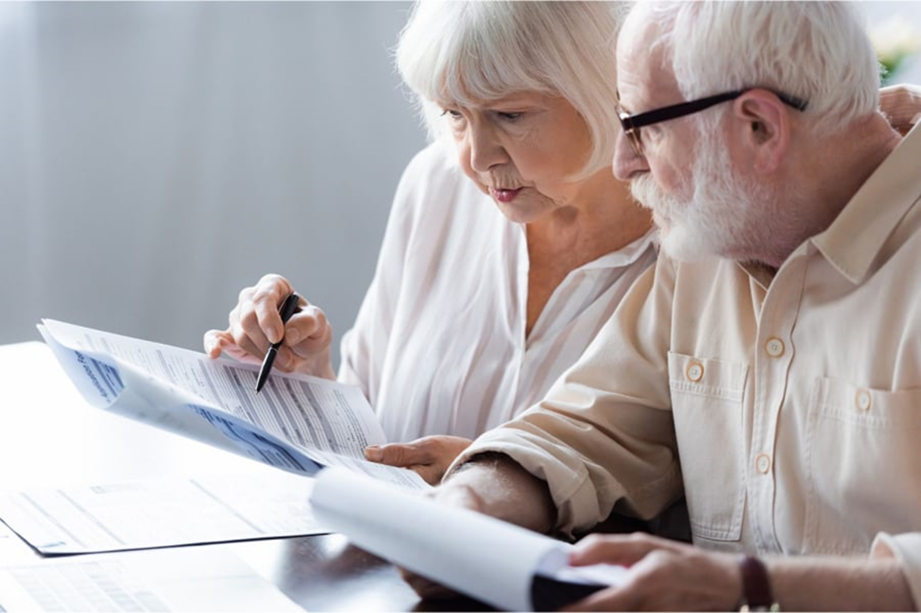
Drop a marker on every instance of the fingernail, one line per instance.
(292, 337)
(374, 453)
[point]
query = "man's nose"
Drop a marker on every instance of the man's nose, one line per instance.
(626, 162)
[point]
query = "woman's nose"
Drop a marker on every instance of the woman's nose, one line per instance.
(485, 149)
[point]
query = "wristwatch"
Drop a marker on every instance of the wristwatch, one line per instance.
(756, 586)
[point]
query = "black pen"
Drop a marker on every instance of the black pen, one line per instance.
(286, 310)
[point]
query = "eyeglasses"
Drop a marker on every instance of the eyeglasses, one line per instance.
(631, 124)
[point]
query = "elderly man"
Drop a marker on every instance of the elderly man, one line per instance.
(770, 369)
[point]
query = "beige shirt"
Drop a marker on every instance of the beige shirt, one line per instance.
(792, 403)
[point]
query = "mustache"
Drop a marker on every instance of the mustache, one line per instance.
(644, 191)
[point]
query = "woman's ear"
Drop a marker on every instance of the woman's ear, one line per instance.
(763, 128)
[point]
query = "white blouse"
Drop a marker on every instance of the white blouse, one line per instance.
(439, 344)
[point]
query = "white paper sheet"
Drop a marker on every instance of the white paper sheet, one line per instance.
(161, 513)
(297, 423)
(480, 556)
(196, 579)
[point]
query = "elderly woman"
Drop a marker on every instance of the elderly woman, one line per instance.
(509, 243)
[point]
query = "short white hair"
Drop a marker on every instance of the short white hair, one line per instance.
(470, 52)
(816, 51)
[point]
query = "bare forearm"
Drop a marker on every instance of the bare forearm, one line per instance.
(828, 584)
(496, 485)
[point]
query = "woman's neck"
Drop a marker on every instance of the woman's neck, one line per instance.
(575, 235)
(605, 220)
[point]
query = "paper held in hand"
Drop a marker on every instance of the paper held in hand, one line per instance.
(499, 563)
(298, 423)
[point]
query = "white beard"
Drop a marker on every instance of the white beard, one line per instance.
(718, 218)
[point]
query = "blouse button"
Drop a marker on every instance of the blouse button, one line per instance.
(763, 463)
(862, 400)
(694, 372)
(774, 347)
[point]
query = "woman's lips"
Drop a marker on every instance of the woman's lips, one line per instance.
(504, 195)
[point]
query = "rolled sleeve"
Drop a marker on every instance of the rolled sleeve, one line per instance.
(907, 550)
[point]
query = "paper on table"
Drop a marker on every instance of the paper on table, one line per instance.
(187, 579)
(483, 557)
(162, 512)
(298, 423)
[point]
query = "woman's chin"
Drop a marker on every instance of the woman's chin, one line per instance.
(525, 209)
(516, 214)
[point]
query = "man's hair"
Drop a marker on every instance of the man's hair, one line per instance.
(473, 52)
(816, 51)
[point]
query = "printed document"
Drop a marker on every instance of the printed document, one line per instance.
(297, 423)
(497, 562)
(162, 513)
(188, 579)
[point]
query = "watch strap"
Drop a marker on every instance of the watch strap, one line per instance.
(756, 586)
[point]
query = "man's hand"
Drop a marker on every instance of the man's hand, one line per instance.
(902, 106)
(429, 456)
(664, 575)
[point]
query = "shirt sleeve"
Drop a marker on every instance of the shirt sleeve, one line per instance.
(603, 438)
(907, 550)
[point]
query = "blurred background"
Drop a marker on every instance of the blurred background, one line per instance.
(157, 157)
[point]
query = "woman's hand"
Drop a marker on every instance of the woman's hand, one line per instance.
(255, 324)
(902, 106)
(664, 575)
(429, 456)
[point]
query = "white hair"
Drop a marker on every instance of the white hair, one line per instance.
(470, 52)
(816, 51)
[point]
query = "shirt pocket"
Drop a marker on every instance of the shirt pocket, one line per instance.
(706, 399)
(863, 464)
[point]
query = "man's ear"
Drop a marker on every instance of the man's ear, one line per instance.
(763, 125)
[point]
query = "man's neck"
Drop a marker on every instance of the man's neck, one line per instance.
(838, 167)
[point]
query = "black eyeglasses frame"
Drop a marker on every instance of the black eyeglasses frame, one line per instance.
(631, 124)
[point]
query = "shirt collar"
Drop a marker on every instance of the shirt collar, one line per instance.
(628, 254)
(854, 239)
(623, 257)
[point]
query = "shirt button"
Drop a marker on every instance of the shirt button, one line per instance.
(862, 400)
(763, 463)
(774, 347)
(694, 372)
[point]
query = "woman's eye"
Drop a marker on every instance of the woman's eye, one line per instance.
(509, 116)
(451, 113)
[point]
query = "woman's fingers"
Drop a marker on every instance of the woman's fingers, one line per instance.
(267, 296)
(400, 454)
(255, 323)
